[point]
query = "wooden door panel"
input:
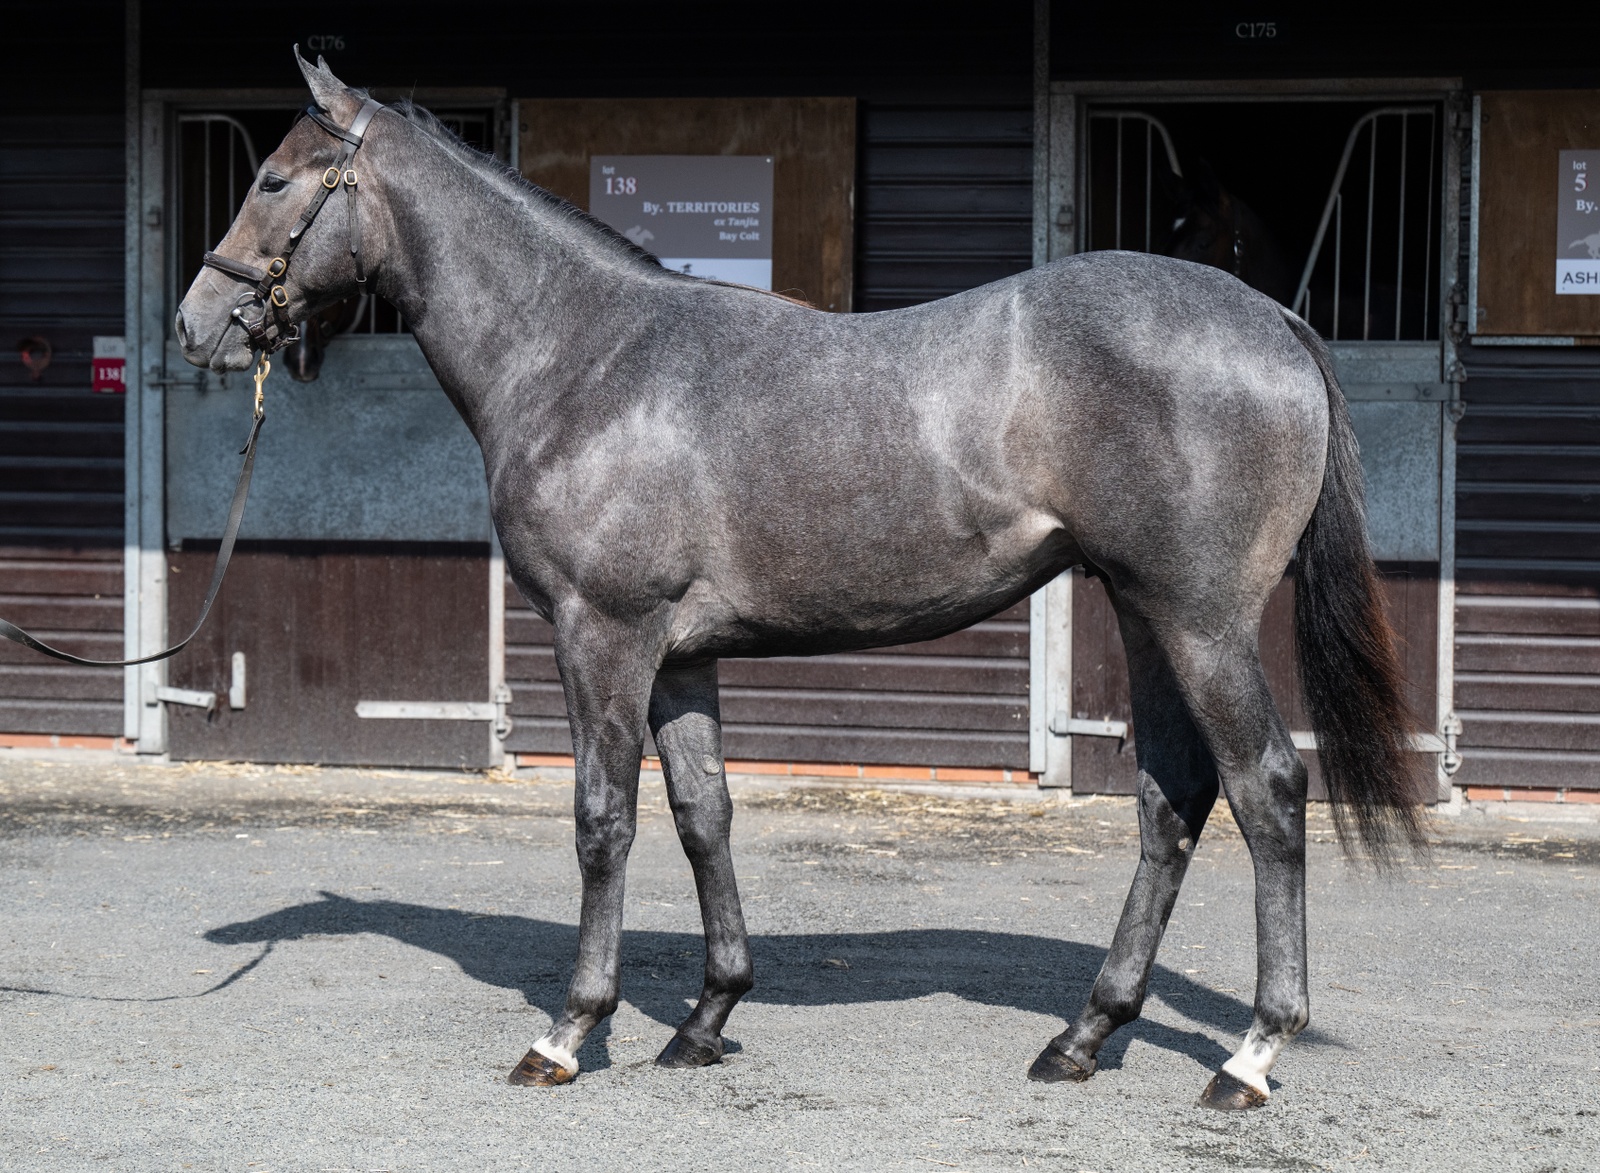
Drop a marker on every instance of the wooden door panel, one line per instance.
(812, 142)
(323, 626)
(1105, 765)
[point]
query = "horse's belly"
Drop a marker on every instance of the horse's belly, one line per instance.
(872, 594)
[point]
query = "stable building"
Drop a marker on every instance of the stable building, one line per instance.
(1413, 196)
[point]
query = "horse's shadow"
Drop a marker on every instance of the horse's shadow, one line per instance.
(533, 957)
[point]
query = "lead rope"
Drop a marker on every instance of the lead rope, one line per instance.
(224, 552)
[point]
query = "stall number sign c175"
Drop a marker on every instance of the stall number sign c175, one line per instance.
(1578, 223)
(706, 215)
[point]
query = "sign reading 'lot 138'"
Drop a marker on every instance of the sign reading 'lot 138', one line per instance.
(1578, 223)
(709, 215)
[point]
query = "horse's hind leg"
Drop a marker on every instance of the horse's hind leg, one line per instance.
(685, 721)
(1265, 781)
(1177, 787)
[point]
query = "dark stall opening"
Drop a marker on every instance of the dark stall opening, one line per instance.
(1332, 207)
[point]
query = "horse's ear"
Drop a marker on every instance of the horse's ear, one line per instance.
(1173, 186)
(332, 96)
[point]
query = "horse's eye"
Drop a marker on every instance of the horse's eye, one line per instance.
(271, 182)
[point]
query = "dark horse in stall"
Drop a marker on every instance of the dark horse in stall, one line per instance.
(681, 470)
(1215, 227)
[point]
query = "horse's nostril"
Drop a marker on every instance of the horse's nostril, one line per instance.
(182, 329)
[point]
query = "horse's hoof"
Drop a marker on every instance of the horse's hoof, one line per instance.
(1227, 1094)
(538, 1070)
(685, 1052)
(1055, 1066)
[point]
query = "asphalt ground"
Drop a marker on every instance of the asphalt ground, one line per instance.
(244, 968)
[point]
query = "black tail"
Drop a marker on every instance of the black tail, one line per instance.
(1348, 668)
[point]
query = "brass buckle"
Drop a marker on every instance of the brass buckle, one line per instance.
(330, 178)
(276, 267)
(279, 297)
(350, 177)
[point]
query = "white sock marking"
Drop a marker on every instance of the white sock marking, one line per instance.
(1254, 1059)
(555, 1054)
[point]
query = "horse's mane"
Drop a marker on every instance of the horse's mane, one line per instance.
(494, 169)
(503, 175)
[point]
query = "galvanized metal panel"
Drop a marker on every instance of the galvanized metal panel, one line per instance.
(372, 451)
(1400, 450)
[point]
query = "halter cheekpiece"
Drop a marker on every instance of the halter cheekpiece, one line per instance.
(268, 331)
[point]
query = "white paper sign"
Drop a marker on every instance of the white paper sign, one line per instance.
(706, 215)
(1578, 223)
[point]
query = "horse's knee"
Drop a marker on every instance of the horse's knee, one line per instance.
(604, 839)
(704, 821)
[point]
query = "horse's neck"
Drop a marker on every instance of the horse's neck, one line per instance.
(504, 292)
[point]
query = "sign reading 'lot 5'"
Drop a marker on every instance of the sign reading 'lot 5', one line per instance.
(708, 215)
(1578, 223)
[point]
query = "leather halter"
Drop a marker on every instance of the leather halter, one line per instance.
(268, 331)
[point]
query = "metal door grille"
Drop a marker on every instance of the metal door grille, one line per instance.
(1392, 187)
(1129, 146)
(1370, 270)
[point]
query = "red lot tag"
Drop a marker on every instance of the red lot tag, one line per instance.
(110, 365)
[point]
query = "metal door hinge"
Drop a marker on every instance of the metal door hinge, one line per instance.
(425, 710)
(196, 380)
(497, 711)
(1449, 759)
(1063, 726)
(236, 683)
(502, 711)
(181, 696)
(1417, 742)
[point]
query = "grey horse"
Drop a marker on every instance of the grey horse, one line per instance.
(681, 470)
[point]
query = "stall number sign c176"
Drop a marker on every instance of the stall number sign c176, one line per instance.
(1578, 223)
(707, 215)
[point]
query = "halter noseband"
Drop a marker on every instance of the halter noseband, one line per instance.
(268, 332)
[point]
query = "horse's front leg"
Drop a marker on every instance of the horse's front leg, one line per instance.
(606, 672)
(685, 720)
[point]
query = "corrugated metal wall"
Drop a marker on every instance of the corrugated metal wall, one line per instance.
(61, 229)
(1528, 568)
(944, 203)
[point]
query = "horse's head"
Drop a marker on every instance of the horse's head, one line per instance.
(321, 269)
(1215, 227)
(1204, 228)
